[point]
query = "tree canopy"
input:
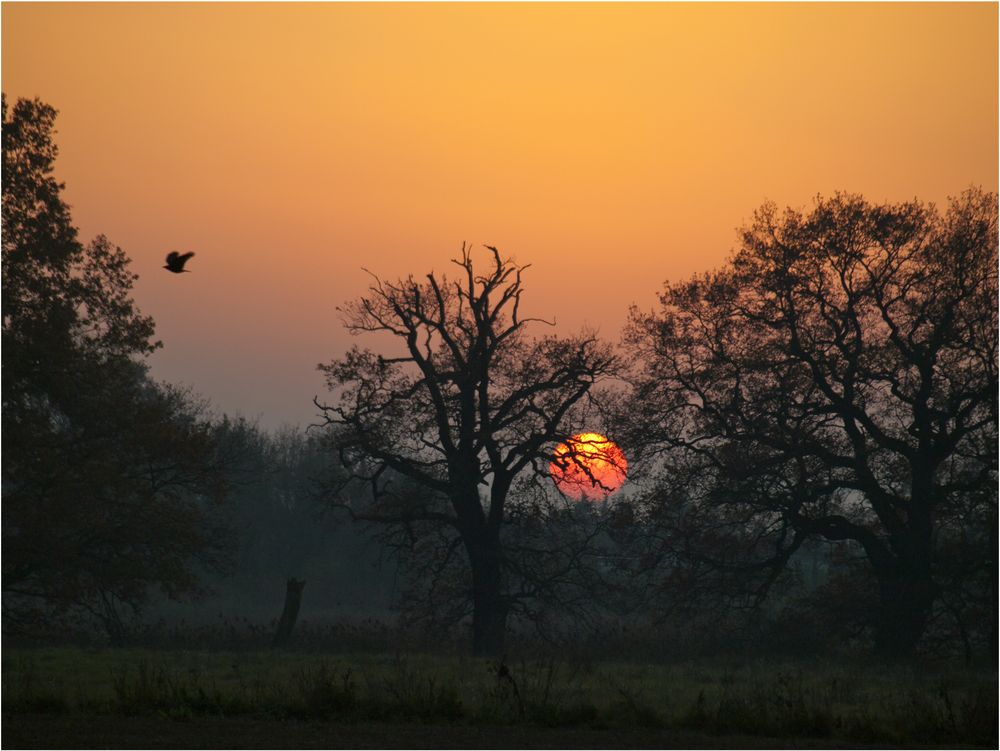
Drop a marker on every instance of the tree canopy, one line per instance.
(470, 405)
(106, 473)
(838, 380)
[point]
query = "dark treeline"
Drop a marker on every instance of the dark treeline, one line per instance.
(811, 434)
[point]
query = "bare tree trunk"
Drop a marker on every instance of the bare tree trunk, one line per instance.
(112, 621)
(906, 595)
(489, 613)
(293, 599)
(993, 590)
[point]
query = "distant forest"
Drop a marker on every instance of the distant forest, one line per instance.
(811, 435)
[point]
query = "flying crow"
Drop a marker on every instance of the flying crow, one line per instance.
(176, 261)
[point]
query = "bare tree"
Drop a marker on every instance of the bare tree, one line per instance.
(838, 381)
(469, 406)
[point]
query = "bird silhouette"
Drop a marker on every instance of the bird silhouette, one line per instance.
(176, 261)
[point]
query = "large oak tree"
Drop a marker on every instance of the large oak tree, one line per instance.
(469, 405)
(837, 380)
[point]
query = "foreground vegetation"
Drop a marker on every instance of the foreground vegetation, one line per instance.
(819, 702)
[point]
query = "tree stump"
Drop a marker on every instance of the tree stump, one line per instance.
(293, 599)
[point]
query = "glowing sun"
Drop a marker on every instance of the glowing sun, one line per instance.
(589, 467)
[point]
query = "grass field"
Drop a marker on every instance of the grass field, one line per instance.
(65, 696)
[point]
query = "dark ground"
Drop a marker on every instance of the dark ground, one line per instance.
(72, 697)
(68, 731)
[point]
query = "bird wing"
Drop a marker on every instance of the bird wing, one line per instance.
(184, 257)
(172, 257)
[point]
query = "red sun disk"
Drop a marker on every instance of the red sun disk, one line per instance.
(588, 467)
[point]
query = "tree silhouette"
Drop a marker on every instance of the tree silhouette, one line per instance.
(837, 381)
(471, 405)
(105, 472)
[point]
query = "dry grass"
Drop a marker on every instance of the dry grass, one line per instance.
(870, 705)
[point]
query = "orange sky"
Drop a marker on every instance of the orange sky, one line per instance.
(612, 146)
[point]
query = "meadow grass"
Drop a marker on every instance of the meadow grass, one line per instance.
(927, 704)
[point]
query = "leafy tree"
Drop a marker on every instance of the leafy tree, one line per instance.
(106, 474)
(838, 380)
(470, 406)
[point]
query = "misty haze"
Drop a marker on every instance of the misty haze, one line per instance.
(500, 375)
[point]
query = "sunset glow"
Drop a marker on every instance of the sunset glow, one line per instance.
(342, 291)
(612, 146)
(588, 467)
